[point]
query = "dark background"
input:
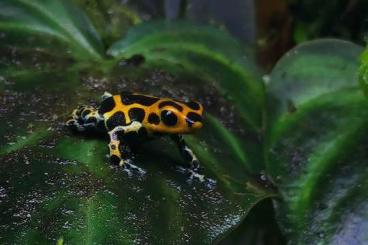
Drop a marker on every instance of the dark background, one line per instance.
(271, 27)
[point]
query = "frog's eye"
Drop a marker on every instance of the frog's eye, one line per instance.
(168, 118)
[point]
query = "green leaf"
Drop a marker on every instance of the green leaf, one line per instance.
(110, 17)
(317, 149)
(296, 78)
(259, 227)
(50, 21)
(58, 187)
(363, 72)
(205, 52)
(26, 140)
(88, 201)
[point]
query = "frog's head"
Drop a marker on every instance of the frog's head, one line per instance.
(178, 116)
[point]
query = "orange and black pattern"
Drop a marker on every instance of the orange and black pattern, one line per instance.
(161, 115)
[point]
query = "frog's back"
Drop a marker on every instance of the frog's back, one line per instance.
(122, 109)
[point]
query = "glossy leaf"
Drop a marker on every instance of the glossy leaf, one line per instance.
(64, 188)
(299, 72)
(204, 52)
(58, 187)
(52, 22)
(363, 72)
(317, 152)
(28, 140)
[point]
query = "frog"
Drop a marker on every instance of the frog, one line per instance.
(130, 117)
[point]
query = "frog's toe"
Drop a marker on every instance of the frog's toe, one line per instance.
(191, 173)
(195, 165)
(136, 169)
(210, 183)
(106, 95)
(77, 112)
(128, 171)
(73, 125)
(70, 122)
(130, 167)
(81, 111)
(194, 175)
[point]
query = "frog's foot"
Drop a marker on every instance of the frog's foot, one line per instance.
(106, 95)
(194, 175)
(82, 112)
(83, 118)
(74, 124)
(129, 167)
(77, 126)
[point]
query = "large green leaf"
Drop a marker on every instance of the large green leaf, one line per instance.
(317, 145)
(52, 22)
(59, 187)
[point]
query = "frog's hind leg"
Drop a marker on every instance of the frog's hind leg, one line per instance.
(84, 118)
(189, 156)
(119, 150)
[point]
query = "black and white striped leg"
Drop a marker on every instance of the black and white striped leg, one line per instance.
(186, 152)
(120, 151)
(189, 157)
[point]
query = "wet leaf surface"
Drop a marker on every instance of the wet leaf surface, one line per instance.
(58, 186)
(317, 146)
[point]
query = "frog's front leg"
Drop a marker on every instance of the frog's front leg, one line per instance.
(189, 156)
(186, 152)
(84, 118)
(119, 150)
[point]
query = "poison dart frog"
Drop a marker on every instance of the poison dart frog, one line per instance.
(128, 117)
